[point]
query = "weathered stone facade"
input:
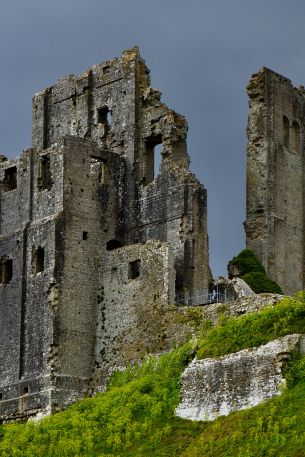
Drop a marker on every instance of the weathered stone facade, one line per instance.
(217, 387)
(93, 246)
(275, 177)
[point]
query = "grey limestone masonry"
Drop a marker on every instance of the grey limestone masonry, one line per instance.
(217, 387)
(93, 245)
(275, 177)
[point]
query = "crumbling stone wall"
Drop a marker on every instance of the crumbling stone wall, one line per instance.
(82, 200)
(137, 291)
(275, 177)
(217, 387)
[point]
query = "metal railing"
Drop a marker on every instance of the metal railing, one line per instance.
(201, 297)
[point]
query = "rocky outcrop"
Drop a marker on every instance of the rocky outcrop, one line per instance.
(217, 387)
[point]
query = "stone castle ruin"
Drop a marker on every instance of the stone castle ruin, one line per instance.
(275, 224)
(98, 246)
(94, 246)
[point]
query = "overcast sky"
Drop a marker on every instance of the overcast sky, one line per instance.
(201, 54)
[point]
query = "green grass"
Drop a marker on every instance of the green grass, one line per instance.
(274, 429)
(135, 416)
(234, 334)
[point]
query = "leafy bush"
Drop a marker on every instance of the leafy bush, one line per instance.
(260, 283)
(251, 270)
(246, 262)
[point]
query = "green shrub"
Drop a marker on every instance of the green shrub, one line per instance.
(246, 261)
(260, 283)
(253, 273)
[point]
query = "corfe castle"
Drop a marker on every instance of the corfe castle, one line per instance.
(96, 251)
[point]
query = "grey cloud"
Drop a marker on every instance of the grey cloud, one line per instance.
(201, 54)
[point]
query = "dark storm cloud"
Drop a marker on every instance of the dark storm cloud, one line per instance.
(201, 54)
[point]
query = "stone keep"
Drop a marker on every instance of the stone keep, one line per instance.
(93, 245)
(275, 177)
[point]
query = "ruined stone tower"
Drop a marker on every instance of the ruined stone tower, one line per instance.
(94, 246)
(275, 177)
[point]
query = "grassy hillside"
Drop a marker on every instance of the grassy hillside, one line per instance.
(135, 416)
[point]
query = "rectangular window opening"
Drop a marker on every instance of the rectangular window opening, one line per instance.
(153, 158)
(44, 180)
(6, 270)
(23, 402)
(134, 269)
(104, 116)
(85, 236)
(10, 179)
(99, 168)
(114, 273)
(37, 260)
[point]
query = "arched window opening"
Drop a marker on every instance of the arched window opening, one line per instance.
(113, 244)
(152, 158)
(286, 132)
(295, 137)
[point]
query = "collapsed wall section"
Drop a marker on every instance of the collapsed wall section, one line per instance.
(275, 177)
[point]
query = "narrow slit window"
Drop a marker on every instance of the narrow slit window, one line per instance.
(295, 137)
(10, 179)
(44, 173)
(37, 260)
(6, 270)
(85, 236)
(103, 174)
(134, 269)
(286, 132)
(157, 158)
